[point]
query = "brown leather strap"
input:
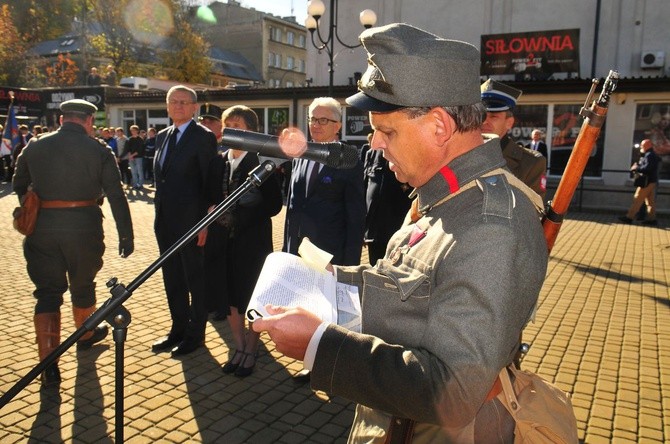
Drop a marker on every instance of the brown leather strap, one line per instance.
(497, 388)
(401, 430)
(68, 203)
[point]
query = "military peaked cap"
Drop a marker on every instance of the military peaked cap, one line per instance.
(210, 111)
(409, 67)
(498, 96)
(78, 106)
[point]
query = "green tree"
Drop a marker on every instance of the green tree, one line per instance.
(12, 49)
(186, 60)
(114, 42)
(35, 73)
(39, 20)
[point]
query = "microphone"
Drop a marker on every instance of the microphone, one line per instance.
(334, 154)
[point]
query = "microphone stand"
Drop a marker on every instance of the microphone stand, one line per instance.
(119, 317)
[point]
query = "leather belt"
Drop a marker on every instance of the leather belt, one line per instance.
(68, 203)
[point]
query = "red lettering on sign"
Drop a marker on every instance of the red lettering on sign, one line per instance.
(528, 44)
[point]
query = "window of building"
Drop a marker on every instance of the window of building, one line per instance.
(275, 34)
(289, 84)
(272, 120)
(158, 119)
(271, 59)
(277, 120)
(277, 60)
(301, 41)
(133, 117)
(290, 37)
(289, 62)
(561, 125)
(301, 65)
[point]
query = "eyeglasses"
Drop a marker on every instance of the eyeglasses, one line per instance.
(320, 120)
(179, 102)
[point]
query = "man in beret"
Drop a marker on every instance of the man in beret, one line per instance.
(528, 165)
(442, 311)
(70, 171)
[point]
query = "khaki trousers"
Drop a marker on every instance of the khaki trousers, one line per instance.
(644, 195)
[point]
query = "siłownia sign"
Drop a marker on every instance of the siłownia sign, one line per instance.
(531, 54)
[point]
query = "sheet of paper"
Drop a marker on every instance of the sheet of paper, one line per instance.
(287, 281)
(348, 307)
(313, 255)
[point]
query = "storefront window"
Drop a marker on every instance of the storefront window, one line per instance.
(652, 121)
(277, 120)
(356, 125)
(561, 125)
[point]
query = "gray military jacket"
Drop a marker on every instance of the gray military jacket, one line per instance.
(442, 312)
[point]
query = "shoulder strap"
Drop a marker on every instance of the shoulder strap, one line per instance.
(511, 402)
(511, 178)
(525, 189)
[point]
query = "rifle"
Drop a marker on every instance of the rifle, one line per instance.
(594, 117)
(588, 134)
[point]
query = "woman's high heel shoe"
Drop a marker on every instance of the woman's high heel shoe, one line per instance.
(242, 371)
(230, 367)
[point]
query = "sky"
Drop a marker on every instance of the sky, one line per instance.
(280, 7)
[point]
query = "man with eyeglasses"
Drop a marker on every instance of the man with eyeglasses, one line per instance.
(184, 151)
(326, 204)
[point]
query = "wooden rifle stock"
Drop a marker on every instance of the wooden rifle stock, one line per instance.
(594, 117)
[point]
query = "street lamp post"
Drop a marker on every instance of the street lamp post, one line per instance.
(315, 10)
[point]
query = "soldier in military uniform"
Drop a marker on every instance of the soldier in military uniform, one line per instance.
(210, 117)
(528, 165)
(442, 311)
(70, 171)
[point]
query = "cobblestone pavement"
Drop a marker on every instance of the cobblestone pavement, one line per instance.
(602, 332)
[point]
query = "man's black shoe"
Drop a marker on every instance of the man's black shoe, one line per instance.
(652, 223)
(51, 376)
(166, 344)
(626, 220)
(302, 377)
(187, 346)
(99, 333)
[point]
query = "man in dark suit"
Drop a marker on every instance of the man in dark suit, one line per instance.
(184, 151)
(387, 203)
(536, 143)
(326, 204)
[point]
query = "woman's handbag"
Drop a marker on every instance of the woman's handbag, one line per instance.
(640, 180)
(542, 412)
(25, 216)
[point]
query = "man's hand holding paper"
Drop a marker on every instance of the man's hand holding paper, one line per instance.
(290, 329)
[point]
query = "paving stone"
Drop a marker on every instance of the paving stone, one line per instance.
(601, 333)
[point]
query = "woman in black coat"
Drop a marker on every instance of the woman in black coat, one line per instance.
(248, 233)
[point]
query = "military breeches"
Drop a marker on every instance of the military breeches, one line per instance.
(61, 259)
